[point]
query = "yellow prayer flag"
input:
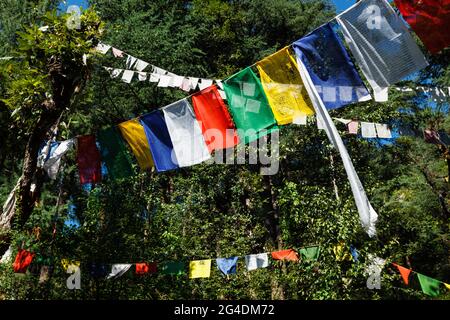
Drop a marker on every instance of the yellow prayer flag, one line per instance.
(66, 263)
(341, 252)
(133, 132)
(447, 286)
(200, 269)
(284, 89)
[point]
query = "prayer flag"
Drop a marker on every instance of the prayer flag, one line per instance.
(159, 140)
(248, 106)
(114, 153)
(127, 76)
(283, 87)
(88, 160)
(353, 127)
(187, 139)
(255, 261)
(98, 270)
(144, 268)
(404, 272)
(368, 130)
(428, 19)
(310, 253)
(66, 263)
(447, 286)
(380, 43)
(140, 65)
(367, 215)
(429, 285)
(173, 268)
(22, 261)
(227, 265)
(118, 270)
(341, 253)
(200, 269)
(289, 254)
(383, 131)
(214, 119)
(133, 132)
(354, 252)
(330, 68)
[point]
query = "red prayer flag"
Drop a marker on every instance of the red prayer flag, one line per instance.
(143, 268)
(88, 159)
(212, 114)
(289, 254)
(430, 20)
(404, 272)
(22, 261)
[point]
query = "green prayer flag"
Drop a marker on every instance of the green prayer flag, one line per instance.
(173, 268)
(249, 106)
(311, 253)
(429, 285)
(114, 153)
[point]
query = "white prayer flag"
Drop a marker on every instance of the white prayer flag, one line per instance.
(188, 142)
(382, 95)
(154, 77)
(205, 83)
(130, 61)
(256, 261)
(383, 131)
(344, 121)
(127, 76)
(118, 270)
(102, 48)
(194, 82)
(117, 53)
(186, 85)
(367, 215)
(223, 95)
(219, 84)
(301, 119)
(51, 165)
(140, 65)
(159, 70)
(116, 72)
(177, 81)
(381, 43)
(164, 81)
(368, 130)
(142, 76)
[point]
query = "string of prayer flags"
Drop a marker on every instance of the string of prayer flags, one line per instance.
(88, 160)
(227, 265)
(158, 138)
(200, 269)
(187, 139)
(248, 105)
(22, 261)
(133, 132)
(404, 272)
(118, 270)
(214, 119)
(330, 68)
(380, 43)
(429, 285)
(310, 253)
(283, 87)
(146, 268)
(173, 268)
(289, 255)
(428, 19)
(367, 215)
(256, 261)
(114, 153)
(368, 130)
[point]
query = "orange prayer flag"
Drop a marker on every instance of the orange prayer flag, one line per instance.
(289, 254)
(404, 272)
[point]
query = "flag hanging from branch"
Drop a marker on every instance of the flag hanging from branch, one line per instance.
(428, 19)
(333, 74)
(187, 139)
(283, 87)
(133, 132)
(200, 269)
(380, 43)
(88, 159)
(158, 138)
(248, 106)
(214, 119)
(227, 265)
(429, 285)
(114, 153)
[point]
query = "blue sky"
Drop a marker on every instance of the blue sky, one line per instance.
(340, 4)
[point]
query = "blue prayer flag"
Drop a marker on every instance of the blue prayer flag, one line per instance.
(332, 72)
(159, 141)
(227, 265)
